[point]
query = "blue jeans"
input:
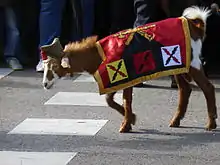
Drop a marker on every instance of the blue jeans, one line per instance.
(2, 28)
(12, 44)
(88, 17)
(50, 20)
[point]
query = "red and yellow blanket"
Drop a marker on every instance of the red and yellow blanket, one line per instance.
(147, 52)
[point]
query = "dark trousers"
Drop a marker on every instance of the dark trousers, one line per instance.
(102, 18)
(72, 22)
(147, 11)
(50, 20)
(1, 34)
(87, 17)
(121, 10)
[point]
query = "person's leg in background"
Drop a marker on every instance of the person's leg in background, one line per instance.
(76, 20)
(2, 32)
(88, 17)
(12, 46)
(146, 12)
(118, 12)
(102, 18)
(49, 23)
(28, 23)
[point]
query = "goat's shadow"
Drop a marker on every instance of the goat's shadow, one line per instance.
(156, 132)
(143, 139)
(194, 87)
(169, 141)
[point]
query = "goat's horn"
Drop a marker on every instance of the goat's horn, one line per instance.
(54, 50)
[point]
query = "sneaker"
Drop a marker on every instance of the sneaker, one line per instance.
(40, 66)
(14, 64)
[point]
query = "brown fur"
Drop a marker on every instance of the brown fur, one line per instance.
(85, 44)
(79, 51)
(84, 56)
(196, 28)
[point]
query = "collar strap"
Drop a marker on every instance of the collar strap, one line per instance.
(43, 55)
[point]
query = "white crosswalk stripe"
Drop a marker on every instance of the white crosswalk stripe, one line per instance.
(81, 127)
(55, 126)
(84, 77)
(35, 158)
(4, 72)
(80, 99)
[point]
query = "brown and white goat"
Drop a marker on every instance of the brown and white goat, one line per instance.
(84, 56)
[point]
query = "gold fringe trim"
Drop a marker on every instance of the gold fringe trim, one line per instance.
(131, 36)
(101, 51)
(134, 82)
(187, 41)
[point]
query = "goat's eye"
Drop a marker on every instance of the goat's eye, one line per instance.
(196, 21)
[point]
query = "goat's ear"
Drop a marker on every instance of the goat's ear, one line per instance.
(65, 62)
(54, 50)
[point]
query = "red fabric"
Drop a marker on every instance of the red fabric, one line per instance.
(167, 32)
(144, 62)
(113, 48)
(170, 32)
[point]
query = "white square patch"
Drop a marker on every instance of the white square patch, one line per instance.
(171, 55)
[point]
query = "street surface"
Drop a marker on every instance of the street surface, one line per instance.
(70, 124)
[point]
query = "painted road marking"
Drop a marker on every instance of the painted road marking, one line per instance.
(79, 127)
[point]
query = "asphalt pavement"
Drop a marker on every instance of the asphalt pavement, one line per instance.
(71, 124)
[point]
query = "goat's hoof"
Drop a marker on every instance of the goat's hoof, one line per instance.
(175, 123)
(211, 125)
(133, 119)
(125, 127)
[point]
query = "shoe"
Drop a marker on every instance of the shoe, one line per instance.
(14, 64)
(40, 66)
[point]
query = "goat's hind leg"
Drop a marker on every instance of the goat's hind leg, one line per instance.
(119, 108)
(184, 94)
(209, 92)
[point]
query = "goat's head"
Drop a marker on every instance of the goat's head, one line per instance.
(53, 60)
(197, 17)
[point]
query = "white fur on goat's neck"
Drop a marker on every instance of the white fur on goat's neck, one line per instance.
(196, 53)
(195, 12)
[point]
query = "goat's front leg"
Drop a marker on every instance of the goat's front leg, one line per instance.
(119, 108)
(127, 103)
(209, 92)
(184, 94)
